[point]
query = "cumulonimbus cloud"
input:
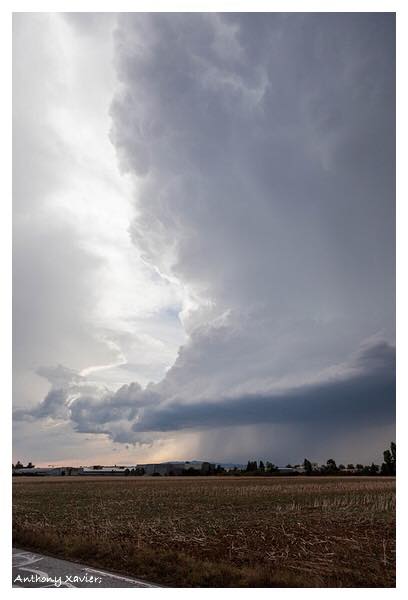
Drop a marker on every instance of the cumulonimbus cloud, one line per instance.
(263, 151)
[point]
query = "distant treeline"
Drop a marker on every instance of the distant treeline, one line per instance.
(388, 467)
(268, 469)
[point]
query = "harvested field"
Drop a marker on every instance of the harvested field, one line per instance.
(216, 531)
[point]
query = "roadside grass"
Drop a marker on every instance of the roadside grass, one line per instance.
(216, 532)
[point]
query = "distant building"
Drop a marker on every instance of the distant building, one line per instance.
(287, 471)
(177, 468)
(167, 468)
(46, 471)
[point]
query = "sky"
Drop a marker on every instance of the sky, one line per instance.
(203, 237)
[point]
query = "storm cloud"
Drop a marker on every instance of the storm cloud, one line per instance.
(354, 395)
(260, 148)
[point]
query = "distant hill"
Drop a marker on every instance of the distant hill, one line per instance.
(218, 462)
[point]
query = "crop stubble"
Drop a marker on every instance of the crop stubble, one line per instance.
(216, 531)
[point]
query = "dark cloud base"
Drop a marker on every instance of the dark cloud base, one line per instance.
(363, 395)
(366, 400)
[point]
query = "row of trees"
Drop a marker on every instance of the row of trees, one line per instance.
(190, 472)
(388, 467)
(331, 468)
(268, 467)
(138, 471)
(19, 465)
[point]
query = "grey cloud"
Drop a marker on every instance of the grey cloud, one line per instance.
(365, 397)
(90, 408)
(59, 376)
(265, 177)
(262, 146)
(122, 405)
(64, 382)
(53, 405)
(359, 393)
(238, 201)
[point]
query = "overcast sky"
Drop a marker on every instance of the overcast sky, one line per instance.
(204, 232)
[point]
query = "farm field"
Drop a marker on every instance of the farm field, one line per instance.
(216, 531)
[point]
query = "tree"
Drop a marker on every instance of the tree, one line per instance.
(394, 452)
(387, 457)
(261, 466)
(373, 469)
(19, 465)
(341, 467)
(331, 466)
(307, 465)
(30, 465)
(389, 465)
(270, 467)
(350, 466)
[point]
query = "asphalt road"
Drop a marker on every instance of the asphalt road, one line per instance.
(36, 570)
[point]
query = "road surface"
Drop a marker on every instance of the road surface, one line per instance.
(37, 570)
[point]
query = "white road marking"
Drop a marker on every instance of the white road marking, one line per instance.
(28, 558)
(35, 571)
(46, 577)
(23, 559)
